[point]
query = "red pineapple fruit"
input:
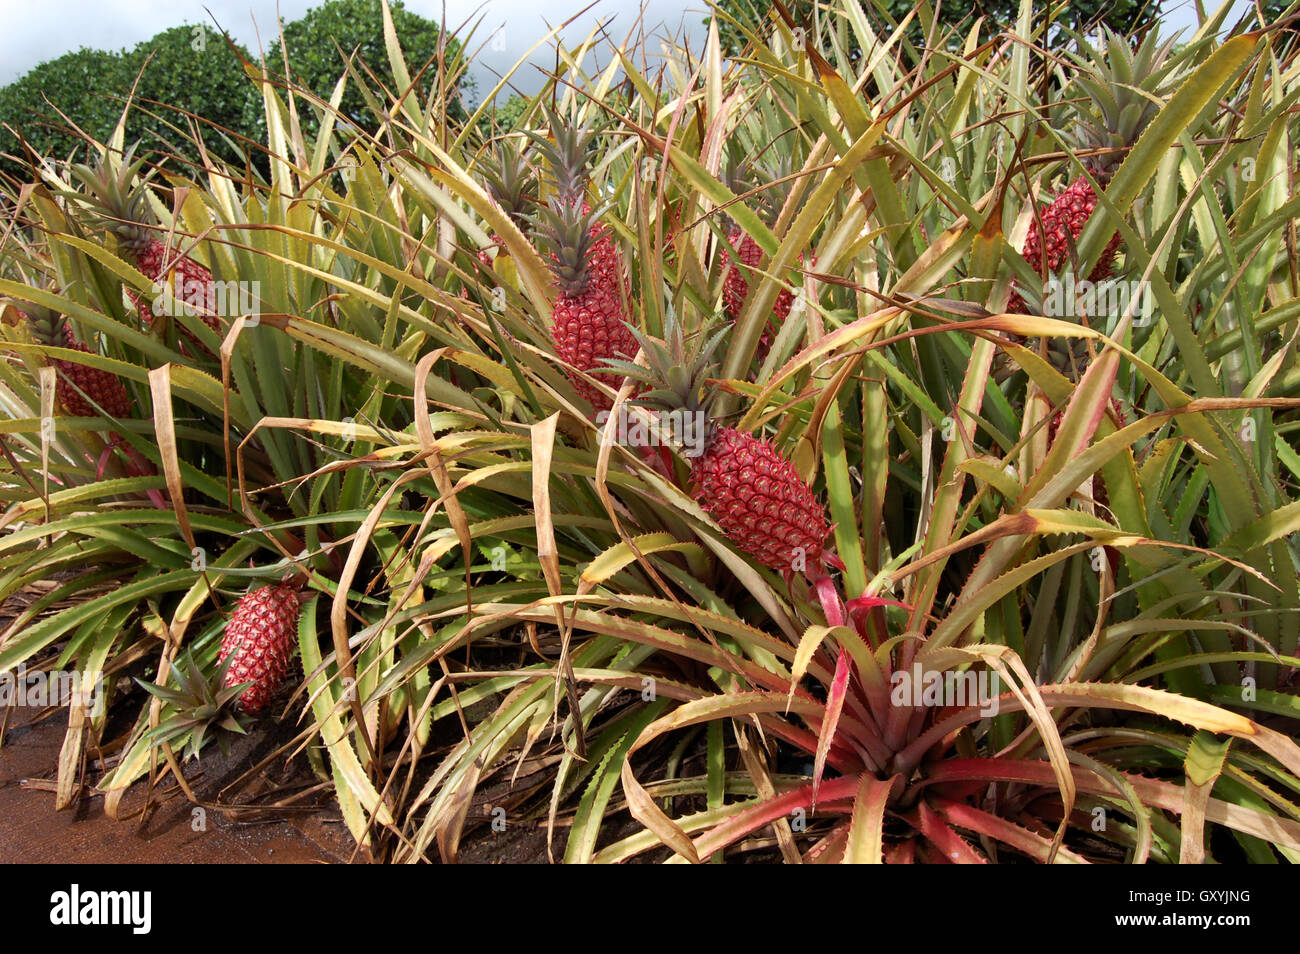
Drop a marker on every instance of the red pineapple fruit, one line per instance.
(78, 387)
(735, 287)
(743, 482)
(77, 382)
(768, 182)
(123, 210)
(260, 638)
(759, 500)
(190, 281)
(1063, 221)
(588, 324)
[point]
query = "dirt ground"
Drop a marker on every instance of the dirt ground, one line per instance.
(31, 831)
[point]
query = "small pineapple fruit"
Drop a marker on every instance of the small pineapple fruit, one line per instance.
(82, 390)
(259, 641)
(743, 482)
(749, 256)
(123, 210)
(197, 706)
(588, 324)
(735, 287)
(1063, 221)
(1121, 91)
(512, 184)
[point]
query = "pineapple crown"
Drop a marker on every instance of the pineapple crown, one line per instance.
(568, 233)
(565, 153)
(739, 172)
(46, 324)
(567, 226)
(1124, 91)
(511, 182)
(113, 202)
(198, 706)
(744, 172)
(677, 368)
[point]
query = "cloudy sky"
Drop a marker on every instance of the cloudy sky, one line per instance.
(33, 32)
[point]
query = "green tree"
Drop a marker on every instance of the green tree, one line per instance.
(83, 85)
(188, 68)
(1122, 15)
(192, 69)
(320, 43)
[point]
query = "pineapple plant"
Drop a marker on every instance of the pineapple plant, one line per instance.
(511, 182)
(123, 210)
(1123, 93)
(82, 390)
(198, 706)
(588, 323)
(259, 641)
(744, 482)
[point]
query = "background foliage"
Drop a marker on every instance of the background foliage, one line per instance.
(1122, 15)
(327, 35)
(89, 87)
(194, 69)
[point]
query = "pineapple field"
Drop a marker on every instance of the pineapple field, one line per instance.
(860, 441)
